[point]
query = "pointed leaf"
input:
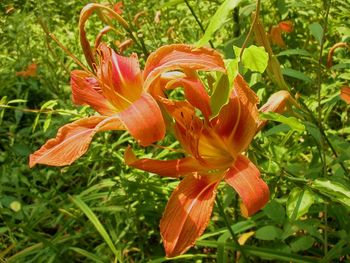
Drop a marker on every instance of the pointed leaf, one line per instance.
(299, 202)
(220, 95)
(317, 31)
(292, 122)
(336, 191)
(97, 224)
(218, 20)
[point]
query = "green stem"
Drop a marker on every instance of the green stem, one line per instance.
(320, 121)
(324, 135)
(45, 111)
(234, 238)
(198, 21)
(256, 19)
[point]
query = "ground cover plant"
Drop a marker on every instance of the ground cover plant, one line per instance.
(160, 131)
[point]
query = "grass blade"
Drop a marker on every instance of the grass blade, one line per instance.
(96, 222)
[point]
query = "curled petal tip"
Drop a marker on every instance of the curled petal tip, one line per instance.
(244, 177)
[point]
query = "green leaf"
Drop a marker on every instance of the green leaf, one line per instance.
(302, 243)
(262, 252)
(314, 131)
(295, 74)
(275, 211)
(96, 222)
(336, 252)
(218, 20)
(221, 249)
(292, 122)
(299, 202)
(47, 121)
(16, 101)
(317, 31)
(268, 233)
(281, 128)
(49, 104)
(255, 58)
(87, 254)
(220, 94)
(336, 191)
(291, 52)
(232, 70)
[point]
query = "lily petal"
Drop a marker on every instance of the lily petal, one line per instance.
(143, 119)
(120, 77)
(188, 212)
(276, 36)
(180, 57)
(278, 103)
(244, 177)
(195, 93)
(188, 126)
(168, 168)
(345, 94)
(237, 121)
(72, 141)
(86, 91)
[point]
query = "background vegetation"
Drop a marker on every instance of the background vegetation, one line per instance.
(99, 210)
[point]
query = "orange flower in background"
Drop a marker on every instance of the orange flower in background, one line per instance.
(116, 92)
(118, 7)
(276, 32)
(30, 71)
(286, 26)
(214, 149)
(345, 94)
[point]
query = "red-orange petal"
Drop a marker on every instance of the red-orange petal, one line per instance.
(345, 94)
(286, 26)
(72, 141)
(168, 168)
(120, 77)
(195, 93)
(188, 212)
(180, 57)
(276, 36)
(237, 121)
(276, 103)
(244, 177)
(86, 91)
(188, 126)
(144, 120)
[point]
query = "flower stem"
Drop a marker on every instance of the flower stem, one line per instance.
(198, 21)
(234, 238)
(255, 20)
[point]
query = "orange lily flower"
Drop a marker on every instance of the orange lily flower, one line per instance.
(214, 148)
(118, 92)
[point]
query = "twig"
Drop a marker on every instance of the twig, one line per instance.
(198, 21)
(256, 19)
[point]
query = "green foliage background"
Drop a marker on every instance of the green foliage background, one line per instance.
(99, 210)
